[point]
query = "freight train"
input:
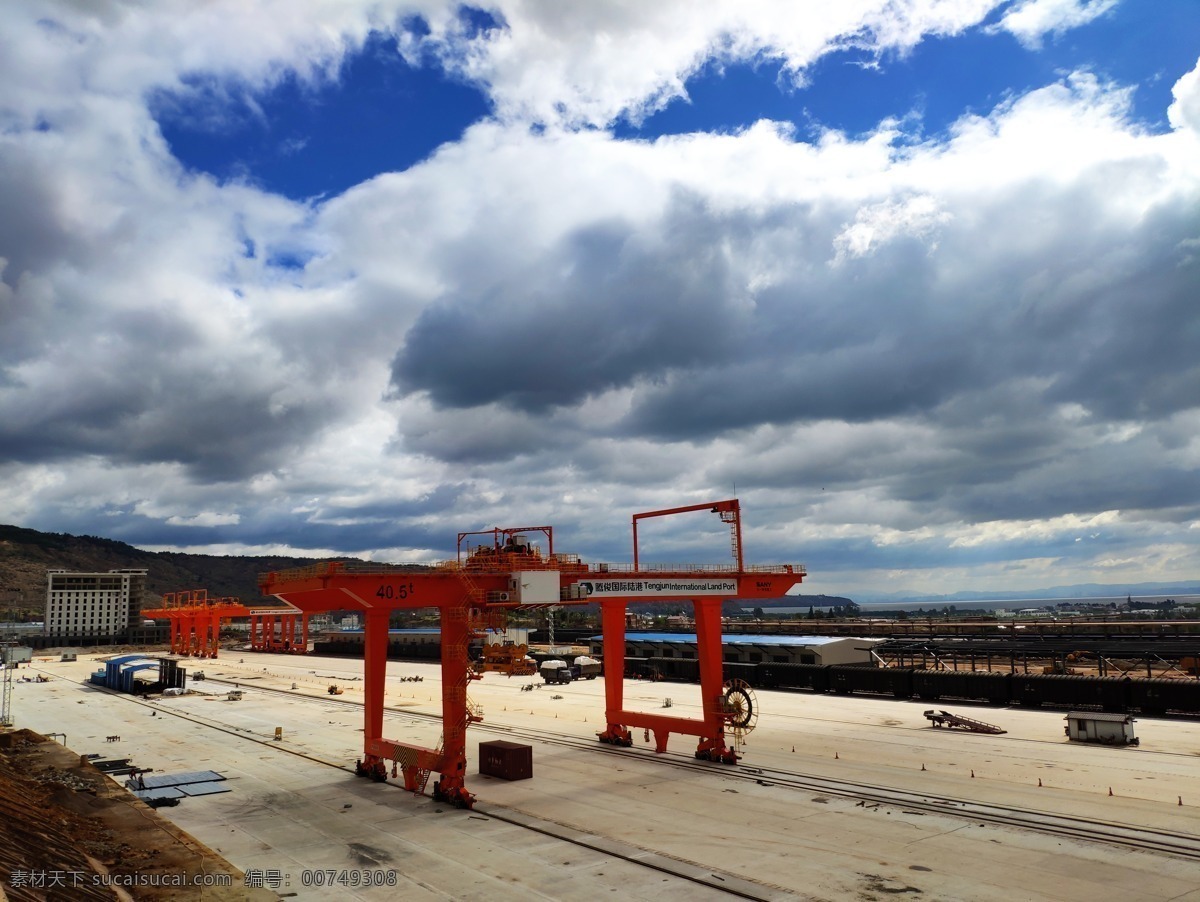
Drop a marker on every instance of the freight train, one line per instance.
(1151, 697)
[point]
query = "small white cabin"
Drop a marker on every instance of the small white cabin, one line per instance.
(1108, 729)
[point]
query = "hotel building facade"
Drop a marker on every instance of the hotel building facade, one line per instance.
(91, 606)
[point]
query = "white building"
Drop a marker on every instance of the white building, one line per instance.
(94, 605)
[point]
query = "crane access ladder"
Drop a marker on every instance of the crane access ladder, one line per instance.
(948, 720)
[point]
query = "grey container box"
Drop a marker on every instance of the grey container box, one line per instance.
(506, 760)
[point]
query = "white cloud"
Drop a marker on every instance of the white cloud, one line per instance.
(205, 518)
(876, 224)
(1007, 531)
(558, 326)
(1184, 113)
(1031, 21)
(590, 63)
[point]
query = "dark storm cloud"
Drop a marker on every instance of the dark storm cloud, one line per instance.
(32, 231)
(218, 432)
(145, 388)
(1143, 359)
(975, 342)
(1105, 314)
(607, 306)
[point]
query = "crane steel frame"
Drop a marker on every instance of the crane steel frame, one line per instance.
(476, 592)
(196, 624)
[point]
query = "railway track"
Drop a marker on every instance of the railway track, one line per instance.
(1112, 833)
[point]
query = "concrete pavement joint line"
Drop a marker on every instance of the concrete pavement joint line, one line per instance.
(731, 885)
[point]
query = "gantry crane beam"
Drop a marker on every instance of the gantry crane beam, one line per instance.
(514, 575)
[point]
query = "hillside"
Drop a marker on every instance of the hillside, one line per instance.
(26, 555)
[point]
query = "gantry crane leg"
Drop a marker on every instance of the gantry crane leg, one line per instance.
(711, 730)
(712, 745)
(456, 715)
(612, 623)
(375, 639)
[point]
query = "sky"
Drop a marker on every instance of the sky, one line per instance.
(916, 280)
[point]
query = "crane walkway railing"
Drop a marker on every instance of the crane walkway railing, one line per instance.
(332, 568)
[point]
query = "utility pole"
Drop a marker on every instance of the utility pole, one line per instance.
(6, 658)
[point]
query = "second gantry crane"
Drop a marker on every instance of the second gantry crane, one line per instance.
(505, 571)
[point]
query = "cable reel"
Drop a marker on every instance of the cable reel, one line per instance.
(739, 708)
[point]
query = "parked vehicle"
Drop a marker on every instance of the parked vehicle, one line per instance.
(556, 671)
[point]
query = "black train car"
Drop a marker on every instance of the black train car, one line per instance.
(931, 685)
(673, 669)
(1072, 691)
(794, 676)
(687, 669)
(409, 651)
(1158, 696)
(748, 673)
(847, 678)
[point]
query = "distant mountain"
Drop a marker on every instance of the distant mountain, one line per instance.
(1080, 590)
(26, 555)
(799, 601)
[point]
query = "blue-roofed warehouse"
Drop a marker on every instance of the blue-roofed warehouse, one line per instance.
(749, 649)
(121, 674)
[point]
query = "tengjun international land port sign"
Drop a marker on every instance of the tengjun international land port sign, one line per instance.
(666, 588)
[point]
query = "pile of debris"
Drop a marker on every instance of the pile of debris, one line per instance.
(64, 821)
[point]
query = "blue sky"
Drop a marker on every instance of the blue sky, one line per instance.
(382, 113)
(917, 280)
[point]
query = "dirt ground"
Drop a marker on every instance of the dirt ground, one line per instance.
(69, 832)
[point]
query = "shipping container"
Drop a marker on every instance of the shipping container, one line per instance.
(506, 760)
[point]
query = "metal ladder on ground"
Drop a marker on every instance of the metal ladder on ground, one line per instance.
(948, 720)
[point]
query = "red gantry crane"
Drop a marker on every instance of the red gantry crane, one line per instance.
(196, 624)
(475, 593)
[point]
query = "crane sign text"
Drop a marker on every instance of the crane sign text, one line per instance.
(615, 588)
